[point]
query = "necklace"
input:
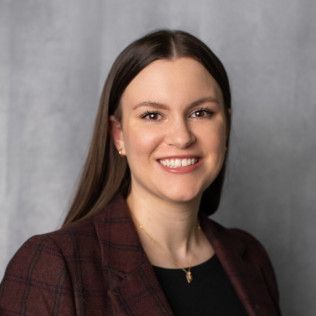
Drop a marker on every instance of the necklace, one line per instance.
(187, 271)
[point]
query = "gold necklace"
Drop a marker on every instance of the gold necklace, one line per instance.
(187, 271)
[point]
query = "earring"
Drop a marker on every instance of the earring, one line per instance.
(120, 151)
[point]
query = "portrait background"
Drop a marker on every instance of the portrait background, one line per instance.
(54, 58)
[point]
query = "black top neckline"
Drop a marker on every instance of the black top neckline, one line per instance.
(197, 267)
(209, 293)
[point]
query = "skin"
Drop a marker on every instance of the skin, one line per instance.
(172, 108)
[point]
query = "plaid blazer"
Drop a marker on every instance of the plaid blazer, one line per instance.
(98, 267)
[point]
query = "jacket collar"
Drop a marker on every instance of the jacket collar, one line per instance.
(244, 276)
(132, 284)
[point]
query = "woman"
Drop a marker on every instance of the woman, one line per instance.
(137, 239)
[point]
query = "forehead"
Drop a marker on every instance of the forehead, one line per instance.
(179, 80)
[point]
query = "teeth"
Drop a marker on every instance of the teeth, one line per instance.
(176, 163)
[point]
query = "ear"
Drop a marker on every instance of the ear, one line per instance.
(117, 134)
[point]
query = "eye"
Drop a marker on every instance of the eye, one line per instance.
(201, 113)
(151, 116)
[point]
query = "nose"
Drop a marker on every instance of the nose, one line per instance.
(180, 135)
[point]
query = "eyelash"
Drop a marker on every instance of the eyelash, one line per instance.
(146, 115)
(207, 112)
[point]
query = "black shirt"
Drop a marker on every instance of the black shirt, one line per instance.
(209, 293)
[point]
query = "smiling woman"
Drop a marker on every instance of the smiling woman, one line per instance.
(182, 132)
(137, 239)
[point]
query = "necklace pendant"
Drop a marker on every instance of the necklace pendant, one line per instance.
(188, 276)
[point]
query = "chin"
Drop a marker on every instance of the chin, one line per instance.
(181, 197)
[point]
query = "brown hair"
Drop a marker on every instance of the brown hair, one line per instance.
(106, 174)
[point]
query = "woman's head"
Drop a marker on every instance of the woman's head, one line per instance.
(106, 173)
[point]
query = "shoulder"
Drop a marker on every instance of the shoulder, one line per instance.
(251, 242)
(250, 249)
(38, 256)
(248, 245)
(47, 269)
(74, 237)
(257, 254)
(50, 251)
(36, 280)
(254, 250)
(60, 242)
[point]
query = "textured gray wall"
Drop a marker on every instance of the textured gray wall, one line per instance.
(54, 58)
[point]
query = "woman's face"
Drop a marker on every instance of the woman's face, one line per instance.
(172, 131)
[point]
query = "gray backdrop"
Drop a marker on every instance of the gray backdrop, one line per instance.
(54, 57)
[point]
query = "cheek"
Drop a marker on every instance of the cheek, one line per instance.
(221, 136)
(216, 139)
(140, 142)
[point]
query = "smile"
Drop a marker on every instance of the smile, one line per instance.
(178, 163)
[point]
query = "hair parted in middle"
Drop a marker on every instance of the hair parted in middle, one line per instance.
(105, 173)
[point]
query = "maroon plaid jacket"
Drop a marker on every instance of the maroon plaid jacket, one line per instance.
(98, 267)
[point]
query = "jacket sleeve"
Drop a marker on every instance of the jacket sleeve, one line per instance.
(36, 281)
(257, 254)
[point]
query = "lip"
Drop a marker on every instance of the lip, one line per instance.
(180, 157)
(181, 170)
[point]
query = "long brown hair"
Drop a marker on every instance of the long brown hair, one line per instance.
(106, 174)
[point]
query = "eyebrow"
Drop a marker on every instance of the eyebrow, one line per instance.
(163, 106)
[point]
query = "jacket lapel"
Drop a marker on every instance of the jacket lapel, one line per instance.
(245, 277)
(132, 284)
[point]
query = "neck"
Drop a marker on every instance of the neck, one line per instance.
(172, 225)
